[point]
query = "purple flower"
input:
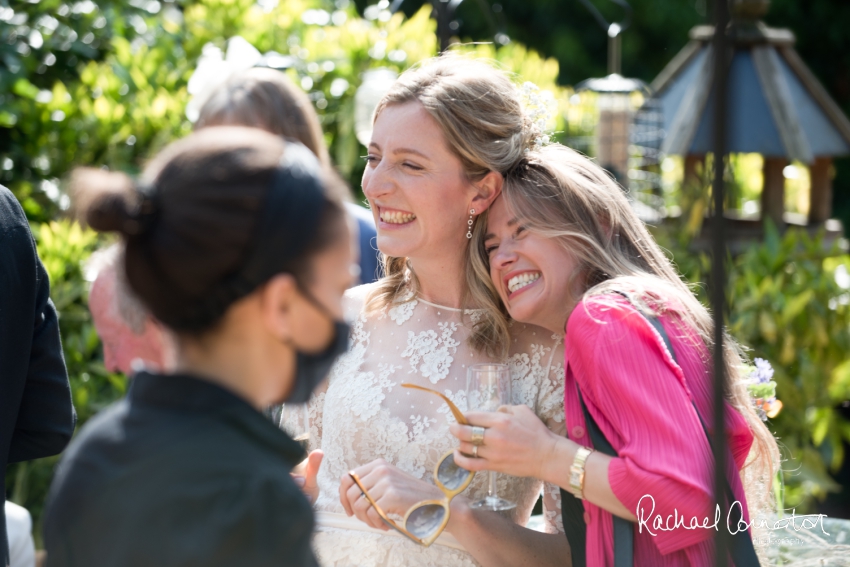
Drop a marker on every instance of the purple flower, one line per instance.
(763, 372)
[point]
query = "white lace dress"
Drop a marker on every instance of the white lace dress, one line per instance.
(365, 414)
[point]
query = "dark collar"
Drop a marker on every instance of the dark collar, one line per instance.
(191, 394)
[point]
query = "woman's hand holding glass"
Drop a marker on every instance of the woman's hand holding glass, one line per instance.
(488, 389)
(516, 442)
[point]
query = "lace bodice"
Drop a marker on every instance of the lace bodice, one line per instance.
(364, 414)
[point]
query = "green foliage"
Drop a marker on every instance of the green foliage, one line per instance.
(126, 100)
(43, 45)
(63, 247)
(789, 303)
(788, 306)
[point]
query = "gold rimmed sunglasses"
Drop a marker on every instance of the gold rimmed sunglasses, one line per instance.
(426, 520)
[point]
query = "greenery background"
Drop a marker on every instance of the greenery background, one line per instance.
(105, 83)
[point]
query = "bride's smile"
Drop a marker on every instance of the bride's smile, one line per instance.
(393, 217)
(415, 185)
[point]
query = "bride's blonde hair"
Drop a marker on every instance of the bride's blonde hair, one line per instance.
(561, 194)
(478, 109)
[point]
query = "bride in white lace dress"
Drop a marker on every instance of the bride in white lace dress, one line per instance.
(441, 137)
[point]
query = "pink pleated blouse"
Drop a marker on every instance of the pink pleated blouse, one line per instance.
(641, 399)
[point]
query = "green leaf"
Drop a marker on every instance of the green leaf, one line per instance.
(8, 119)
(796, 305)
(839, 383)
(771, 237)
(822, 417)
(767, 326)
(26, 89)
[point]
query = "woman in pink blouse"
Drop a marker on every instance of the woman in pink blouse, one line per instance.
(565, 251)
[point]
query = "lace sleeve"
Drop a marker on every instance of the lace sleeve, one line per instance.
(550, 408)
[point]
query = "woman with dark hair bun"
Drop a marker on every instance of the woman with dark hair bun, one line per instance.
(236, 241)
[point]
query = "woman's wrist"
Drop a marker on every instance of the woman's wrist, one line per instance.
(555, 468)
(460, 515)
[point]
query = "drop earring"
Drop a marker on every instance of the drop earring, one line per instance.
(469, 222)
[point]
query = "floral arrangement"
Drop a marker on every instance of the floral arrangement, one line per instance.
(538, 110)
(762, 388)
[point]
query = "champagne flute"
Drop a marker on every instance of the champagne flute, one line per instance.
(488, 388)
(295, 421)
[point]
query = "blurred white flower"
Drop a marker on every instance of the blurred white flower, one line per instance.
(214, 69)
(842, 278)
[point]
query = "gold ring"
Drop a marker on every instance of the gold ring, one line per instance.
(475, 451)
(477, 435)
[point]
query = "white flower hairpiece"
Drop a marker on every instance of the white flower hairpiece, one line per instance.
(214, 68)
(538, 107)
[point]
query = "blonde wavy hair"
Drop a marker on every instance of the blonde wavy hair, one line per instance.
(560, 194)
(479, 110)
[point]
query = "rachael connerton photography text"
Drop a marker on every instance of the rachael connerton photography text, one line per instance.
(647, 519)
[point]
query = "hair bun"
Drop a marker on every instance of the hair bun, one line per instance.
(110, 201)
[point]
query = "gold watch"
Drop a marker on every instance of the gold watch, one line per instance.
(577, 472)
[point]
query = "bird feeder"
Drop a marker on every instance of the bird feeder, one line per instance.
(628, 131)
(777, 108)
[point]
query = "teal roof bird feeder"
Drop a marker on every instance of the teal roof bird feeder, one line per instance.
(777, 108)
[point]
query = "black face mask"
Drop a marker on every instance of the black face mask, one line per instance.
(312, 369)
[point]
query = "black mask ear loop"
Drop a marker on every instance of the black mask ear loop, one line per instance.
(312, 369)
(314, 302)
(311, 299)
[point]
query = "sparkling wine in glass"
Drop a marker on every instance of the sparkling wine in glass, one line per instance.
(295, 421)
(488, 388)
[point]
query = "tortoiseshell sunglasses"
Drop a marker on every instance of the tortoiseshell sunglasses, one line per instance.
(426, 520)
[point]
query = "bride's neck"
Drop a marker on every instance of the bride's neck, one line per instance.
(441, 279)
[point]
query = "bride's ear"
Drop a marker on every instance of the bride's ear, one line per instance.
(486, 191)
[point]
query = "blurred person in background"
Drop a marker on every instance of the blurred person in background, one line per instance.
(36, 413)
(237, 243)
(261, 98)
(126, 329)
(266, 99)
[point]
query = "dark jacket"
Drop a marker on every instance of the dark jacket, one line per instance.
(180, 473)
(36, 414)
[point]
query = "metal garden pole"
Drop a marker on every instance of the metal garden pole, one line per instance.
(718, 271)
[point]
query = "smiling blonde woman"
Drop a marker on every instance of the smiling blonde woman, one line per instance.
(443, 136)
(637, 382)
